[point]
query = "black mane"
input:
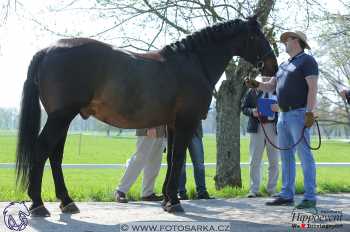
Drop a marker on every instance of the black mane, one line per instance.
(204, 37)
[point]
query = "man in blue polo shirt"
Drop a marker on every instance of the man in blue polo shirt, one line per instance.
(296, 87)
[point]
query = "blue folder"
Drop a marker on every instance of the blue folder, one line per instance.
(264, 106)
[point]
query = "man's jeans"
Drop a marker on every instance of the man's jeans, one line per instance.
(197, 156)
(289, 127)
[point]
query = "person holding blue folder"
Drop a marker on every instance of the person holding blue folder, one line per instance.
(258, 141)
(296, 86)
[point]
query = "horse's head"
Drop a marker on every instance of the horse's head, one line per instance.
(256, 48)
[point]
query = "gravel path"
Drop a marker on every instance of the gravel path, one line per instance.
(243, 214)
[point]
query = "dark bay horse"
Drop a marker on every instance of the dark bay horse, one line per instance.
(170, 87)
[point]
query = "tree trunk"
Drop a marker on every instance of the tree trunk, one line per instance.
(228, 170)
(228, 102)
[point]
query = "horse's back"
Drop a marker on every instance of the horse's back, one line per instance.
(116, 86)
(119, 87)
(71, 71)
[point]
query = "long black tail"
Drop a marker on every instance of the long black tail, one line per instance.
(29, 125)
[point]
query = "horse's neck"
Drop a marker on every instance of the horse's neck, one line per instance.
(214, 62)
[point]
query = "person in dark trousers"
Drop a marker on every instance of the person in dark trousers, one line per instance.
(197, 156)
(258, 142)
(296, 86)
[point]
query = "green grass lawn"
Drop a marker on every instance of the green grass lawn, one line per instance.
(98, 184)
(111, 150)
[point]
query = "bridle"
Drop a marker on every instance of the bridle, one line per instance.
(259, 60)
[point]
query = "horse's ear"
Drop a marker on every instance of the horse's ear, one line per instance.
(255, 16)
(253, 19)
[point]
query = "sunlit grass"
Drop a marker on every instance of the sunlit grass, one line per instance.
(99, 184)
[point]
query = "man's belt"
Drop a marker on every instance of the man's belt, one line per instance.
(289, 108)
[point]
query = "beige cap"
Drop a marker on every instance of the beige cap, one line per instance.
(297, 34)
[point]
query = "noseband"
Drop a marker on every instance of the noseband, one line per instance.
(260, 60)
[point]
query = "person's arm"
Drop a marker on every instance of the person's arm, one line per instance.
(311, 95)
(246, 106)
(311, 100)
(310, 71)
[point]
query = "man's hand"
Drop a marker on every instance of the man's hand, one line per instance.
(251, 83)
(255, 113)
(152, 132)
(275, 108)
(309, 119)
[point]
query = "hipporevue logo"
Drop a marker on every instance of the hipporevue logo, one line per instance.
(317, 219)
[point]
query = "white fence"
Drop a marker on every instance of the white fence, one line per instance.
(119, 166)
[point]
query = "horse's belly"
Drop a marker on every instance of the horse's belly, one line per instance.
(114, 117)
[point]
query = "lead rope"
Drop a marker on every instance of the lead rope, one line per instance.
(302, 136)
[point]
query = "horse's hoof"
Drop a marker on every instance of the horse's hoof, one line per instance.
(176, 208)
(163, 204)
(39, 211)
(71, 208)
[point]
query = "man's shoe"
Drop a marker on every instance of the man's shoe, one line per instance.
(306, 204)
(152, 197)
(280, 201)
(120, 197)
(253, 195)
(183, 196)
(204, 195)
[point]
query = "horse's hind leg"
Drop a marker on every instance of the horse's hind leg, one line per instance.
(67, 205)
(48, 139)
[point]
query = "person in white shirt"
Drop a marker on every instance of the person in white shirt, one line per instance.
(258, 142)
(148, 156)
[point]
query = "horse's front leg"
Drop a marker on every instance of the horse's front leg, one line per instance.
(182, 138)
(170, 135)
